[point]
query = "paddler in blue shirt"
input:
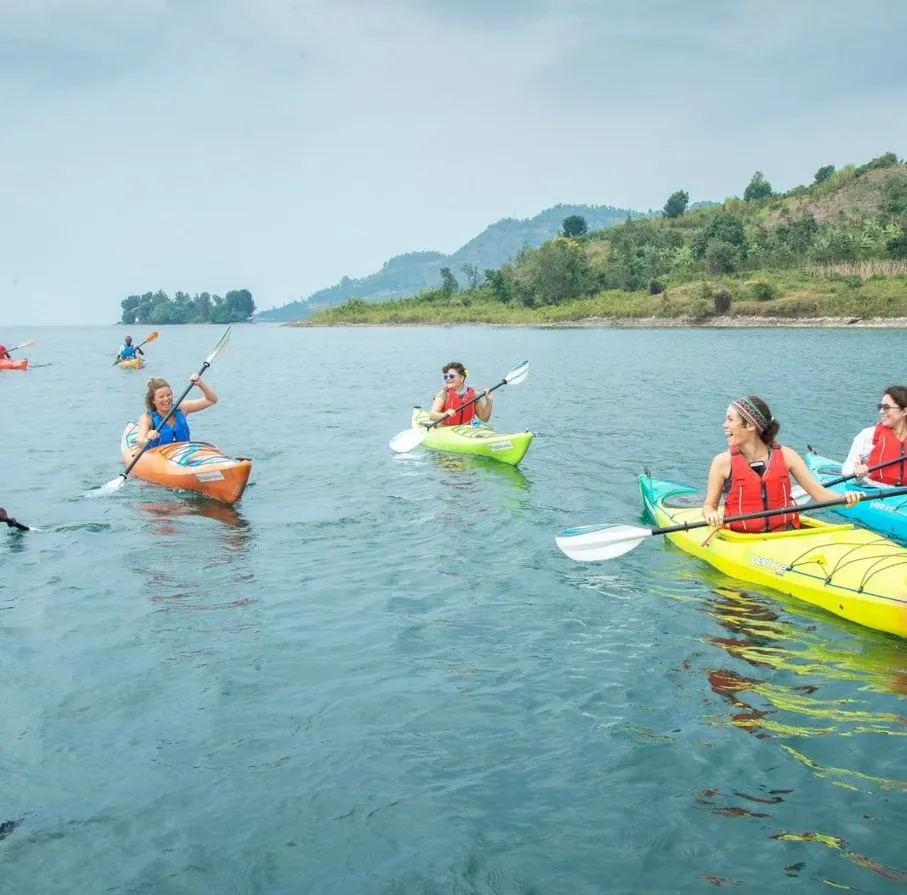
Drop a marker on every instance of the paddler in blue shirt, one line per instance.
(129, 351)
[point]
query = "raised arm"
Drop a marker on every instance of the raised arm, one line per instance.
(197, 404)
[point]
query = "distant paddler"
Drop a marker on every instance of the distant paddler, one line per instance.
(754, 473)
(456, 403)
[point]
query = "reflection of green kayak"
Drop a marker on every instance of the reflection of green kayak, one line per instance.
(481, 440)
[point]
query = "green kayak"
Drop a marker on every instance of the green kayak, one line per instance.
(480, 440)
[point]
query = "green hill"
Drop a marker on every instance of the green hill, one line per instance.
(406, 275)
(836, 247)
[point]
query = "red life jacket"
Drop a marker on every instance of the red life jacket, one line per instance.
(749, 492)
(885, 446)
(453, 401)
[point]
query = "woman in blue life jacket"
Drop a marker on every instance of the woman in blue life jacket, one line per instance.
(456, 393)
(129, 351)
(159, 400)
(755, 472)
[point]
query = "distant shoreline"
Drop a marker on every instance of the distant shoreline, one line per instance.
(651, 323)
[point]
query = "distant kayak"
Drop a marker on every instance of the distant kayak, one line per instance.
(888, 516)
(133, 363)
(189, 465)
(13, 364)
(480, 441)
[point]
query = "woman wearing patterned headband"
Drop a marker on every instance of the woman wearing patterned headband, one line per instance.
(754, 474)
(885, 441)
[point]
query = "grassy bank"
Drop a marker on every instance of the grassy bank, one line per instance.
(852, 291)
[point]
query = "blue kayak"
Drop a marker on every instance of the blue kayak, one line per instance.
(888, 516)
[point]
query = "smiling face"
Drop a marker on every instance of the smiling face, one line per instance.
(736, 429)
(890, 414)
(163, 399)
(453, 380)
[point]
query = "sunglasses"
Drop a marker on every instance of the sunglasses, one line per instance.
(451, 375)
(887, 407)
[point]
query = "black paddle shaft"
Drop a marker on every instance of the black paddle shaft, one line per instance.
(762, 514)
(470, 401)
(163, 422)
(853, 475)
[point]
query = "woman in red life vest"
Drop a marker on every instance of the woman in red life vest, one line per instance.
(754, 474)
(454, 395)
(884, 441)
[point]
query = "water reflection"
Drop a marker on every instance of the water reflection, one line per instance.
(474, 470)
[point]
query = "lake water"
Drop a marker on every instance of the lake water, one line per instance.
(377, 674)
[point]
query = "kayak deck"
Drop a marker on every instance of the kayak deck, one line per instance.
(133, 363)
(888, 516)
(188, 465)
(480, 440)
(6, 364)
(851, 572)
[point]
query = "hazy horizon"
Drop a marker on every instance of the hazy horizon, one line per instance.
(209, 145)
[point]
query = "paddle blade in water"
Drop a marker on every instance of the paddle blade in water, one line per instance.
(594, 543)
(408, 439)
(517, 374)
(109, 488)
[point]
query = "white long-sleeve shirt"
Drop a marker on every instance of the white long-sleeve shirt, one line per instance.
(859, 453)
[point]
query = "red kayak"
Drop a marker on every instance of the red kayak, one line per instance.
(13, 364)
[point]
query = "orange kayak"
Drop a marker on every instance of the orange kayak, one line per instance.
(13, 364)
(190, 465)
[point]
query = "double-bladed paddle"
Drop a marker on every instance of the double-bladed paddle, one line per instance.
(411, 438)
(594, 543)
(799, 495)
(150, 338)
(120, 480)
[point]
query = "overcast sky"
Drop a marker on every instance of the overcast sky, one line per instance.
(278, 145)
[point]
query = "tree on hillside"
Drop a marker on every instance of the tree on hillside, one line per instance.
(449, 283)
(758, 188)
(824, 173)
(471, 272)
(677, 204)
(573, 226)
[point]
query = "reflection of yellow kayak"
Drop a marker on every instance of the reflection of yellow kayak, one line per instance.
(134, 363)
(849, 571)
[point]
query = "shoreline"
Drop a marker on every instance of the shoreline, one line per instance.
(652, 323)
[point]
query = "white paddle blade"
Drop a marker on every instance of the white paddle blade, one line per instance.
(111, 486)
(224, 339)
(594, 543)
(518, 374)
(408, 439)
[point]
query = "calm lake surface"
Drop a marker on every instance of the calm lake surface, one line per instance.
(378, 674)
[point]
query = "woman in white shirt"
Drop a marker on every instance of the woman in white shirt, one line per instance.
(886, 441)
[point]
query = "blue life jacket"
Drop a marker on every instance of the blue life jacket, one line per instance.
(127, 352)
(177, 429)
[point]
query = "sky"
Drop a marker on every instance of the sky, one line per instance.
(279, 145)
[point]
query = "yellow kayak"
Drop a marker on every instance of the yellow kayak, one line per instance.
(851, 572)
(134, 363)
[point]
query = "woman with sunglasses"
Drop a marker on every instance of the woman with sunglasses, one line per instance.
(884, 441)
(754, 474)
(448, 405)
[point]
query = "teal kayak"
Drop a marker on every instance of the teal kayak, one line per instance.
(888, 516)
(480, 440)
